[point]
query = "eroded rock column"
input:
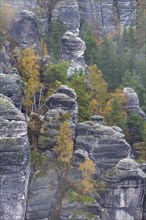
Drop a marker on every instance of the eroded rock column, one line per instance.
(125, 191)
(14, 161)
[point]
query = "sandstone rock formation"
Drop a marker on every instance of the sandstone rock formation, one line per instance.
(73, 50)
(68, 12)
(41, 194)
(19, 4)
(79, 207)
(72, 46)
(98, 15)
(25, 30)
(103, 16)
(5, 60)
(105, 145)
(60, 105)
(133, 101)
(125, 191)
(10, 87)
(127, 12)
(144, 208)
(14, 161)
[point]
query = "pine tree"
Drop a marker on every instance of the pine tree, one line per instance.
(77, 82)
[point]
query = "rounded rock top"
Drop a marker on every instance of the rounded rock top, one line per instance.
(127, 164)
(67, 91)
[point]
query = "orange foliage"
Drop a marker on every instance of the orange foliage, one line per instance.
(88, 169)
(98, 89)
(120, 97)
(30, 71)
(64, 148)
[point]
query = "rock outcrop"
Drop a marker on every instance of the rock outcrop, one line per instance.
(105, 145)
(103, 16)
(127, 12)
(10, 87)
(14, 161)
(21, 5)
(133, 101)
(42, 189)
(125, 191)
(61, 105)
(98, 14)
(68, 12)
(73, 50)
(73, 47)
(79, 207)
(25, 30)
(5, 60)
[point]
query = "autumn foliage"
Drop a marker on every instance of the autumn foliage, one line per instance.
(114, 111)
(30, 70)
(87, 168)
(64, 148)
(98, 89)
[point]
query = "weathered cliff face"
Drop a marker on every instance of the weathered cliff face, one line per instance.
(126, 11)
(14, 161)
(73, 51)
(21, 5)
(25, 30)
(98, 14)
(133, 101)
(125, 191)
(104, 145)
(5, 60)
(42, 189)
(10, 87)
(103, 16)
(68, 12)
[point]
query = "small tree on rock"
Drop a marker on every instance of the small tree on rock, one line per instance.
(87, 168)
(64, 148)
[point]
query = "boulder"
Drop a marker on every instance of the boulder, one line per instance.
(133, 101)
(14, 161)
(25, 31)
(10, 87)
(125, 191)
(73, 51)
